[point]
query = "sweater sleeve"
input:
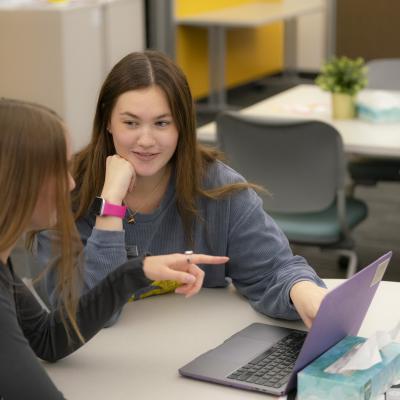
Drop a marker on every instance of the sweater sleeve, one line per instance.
(27, 331)
(103, 252)
(262, 265)
(45, 331)
(21, 375)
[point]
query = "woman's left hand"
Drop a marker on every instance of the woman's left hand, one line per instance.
(307, 297)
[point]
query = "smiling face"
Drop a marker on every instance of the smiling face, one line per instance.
(143, 130)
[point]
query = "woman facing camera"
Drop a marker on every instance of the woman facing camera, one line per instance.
(143, 155)
(35, 185)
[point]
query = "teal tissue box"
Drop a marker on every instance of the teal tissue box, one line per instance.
(378, 106)
(315, 384)
(369, 114)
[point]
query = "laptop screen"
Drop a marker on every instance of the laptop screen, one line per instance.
(341, 313)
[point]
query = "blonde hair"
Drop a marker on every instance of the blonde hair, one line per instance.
(33, 150)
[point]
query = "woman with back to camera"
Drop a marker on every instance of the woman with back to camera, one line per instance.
(143, 154)
(35, 185)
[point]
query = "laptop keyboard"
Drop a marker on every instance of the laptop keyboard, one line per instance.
(273, 367)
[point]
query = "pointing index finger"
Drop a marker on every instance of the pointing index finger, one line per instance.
(205, 259)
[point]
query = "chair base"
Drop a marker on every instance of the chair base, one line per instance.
(345, 251)
(352, 260)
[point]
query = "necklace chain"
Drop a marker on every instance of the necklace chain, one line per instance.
(132, 213)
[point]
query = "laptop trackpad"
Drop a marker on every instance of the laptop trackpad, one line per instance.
(250, 342)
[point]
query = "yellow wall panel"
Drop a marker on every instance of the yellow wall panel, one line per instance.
(251, 53)
(192, 56)
(184, 8)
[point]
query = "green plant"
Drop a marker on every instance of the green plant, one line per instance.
(343, 75)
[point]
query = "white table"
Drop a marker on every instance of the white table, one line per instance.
(250, 15)
(310, 102)
(139, 357)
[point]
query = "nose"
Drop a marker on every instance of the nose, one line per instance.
(146, 138)
(71, 182)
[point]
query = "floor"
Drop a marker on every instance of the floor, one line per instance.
(379, 233)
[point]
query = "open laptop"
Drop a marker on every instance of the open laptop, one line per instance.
(266, 358)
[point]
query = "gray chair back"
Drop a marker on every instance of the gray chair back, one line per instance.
(300, 163)
(384, 74)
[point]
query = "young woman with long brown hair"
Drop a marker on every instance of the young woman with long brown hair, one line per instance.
(143, 155)
(34, 195)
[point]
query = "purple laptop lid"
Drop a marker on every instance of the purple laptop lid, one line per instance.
(341, 313)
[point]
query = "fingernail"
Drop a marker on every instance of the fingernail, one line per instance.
(189, 279)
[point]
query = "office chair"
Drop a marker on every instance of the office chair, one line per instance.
(383, 74)
(301, 164)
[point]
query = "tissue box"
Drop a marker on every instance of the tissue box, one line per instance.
(373, 115)
(314, 383)
(378, 106)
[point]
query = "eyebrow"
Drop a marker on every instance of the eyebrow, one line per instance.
(129, 114)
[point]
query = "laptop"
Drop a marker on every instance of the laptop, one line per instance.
(266, 358)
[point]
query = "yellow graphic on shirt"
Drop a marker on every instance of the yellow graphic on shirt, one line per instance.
(156, 288)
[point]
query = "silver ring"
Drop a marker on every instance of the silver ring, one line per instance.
(188, 253)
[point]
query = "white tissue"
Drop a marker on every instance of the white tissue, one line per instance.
(379, 100)
(365, 355)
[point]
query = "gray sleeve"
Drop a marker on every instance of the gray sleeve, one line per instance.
(28, 332)
(45, 331)
(47, 255)
(21, 375)
(262, 265)
(104, 251)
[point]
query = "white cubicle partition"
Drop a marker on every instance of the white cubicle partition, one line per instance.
(124, 29)
(59, 54)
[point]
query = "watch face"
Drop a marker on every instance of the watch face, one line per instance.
(97, 206)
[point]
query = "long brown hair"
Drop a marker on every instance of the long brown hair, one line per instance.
(32, 151)
(190, 160)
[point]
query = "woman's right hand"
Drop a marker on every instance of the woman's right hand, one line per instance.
(119, 180)
(181, 268)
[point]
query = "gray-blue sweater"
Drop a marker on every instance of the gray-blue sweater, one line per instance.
(261, 266)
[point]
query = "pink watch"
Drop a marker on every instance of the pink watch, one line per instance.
(102, 208)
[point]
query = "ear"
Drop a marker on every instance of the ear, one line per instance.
(108, 129)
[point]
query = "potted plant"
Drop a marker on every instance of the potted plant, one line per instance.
(344, 78)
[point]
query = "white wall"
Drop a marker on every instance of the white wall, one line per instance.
(124, 24)
(58, 55)
(311, 42)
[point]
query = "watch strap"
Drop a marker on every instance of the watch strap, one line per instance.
(113, 210)
(101, 207)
